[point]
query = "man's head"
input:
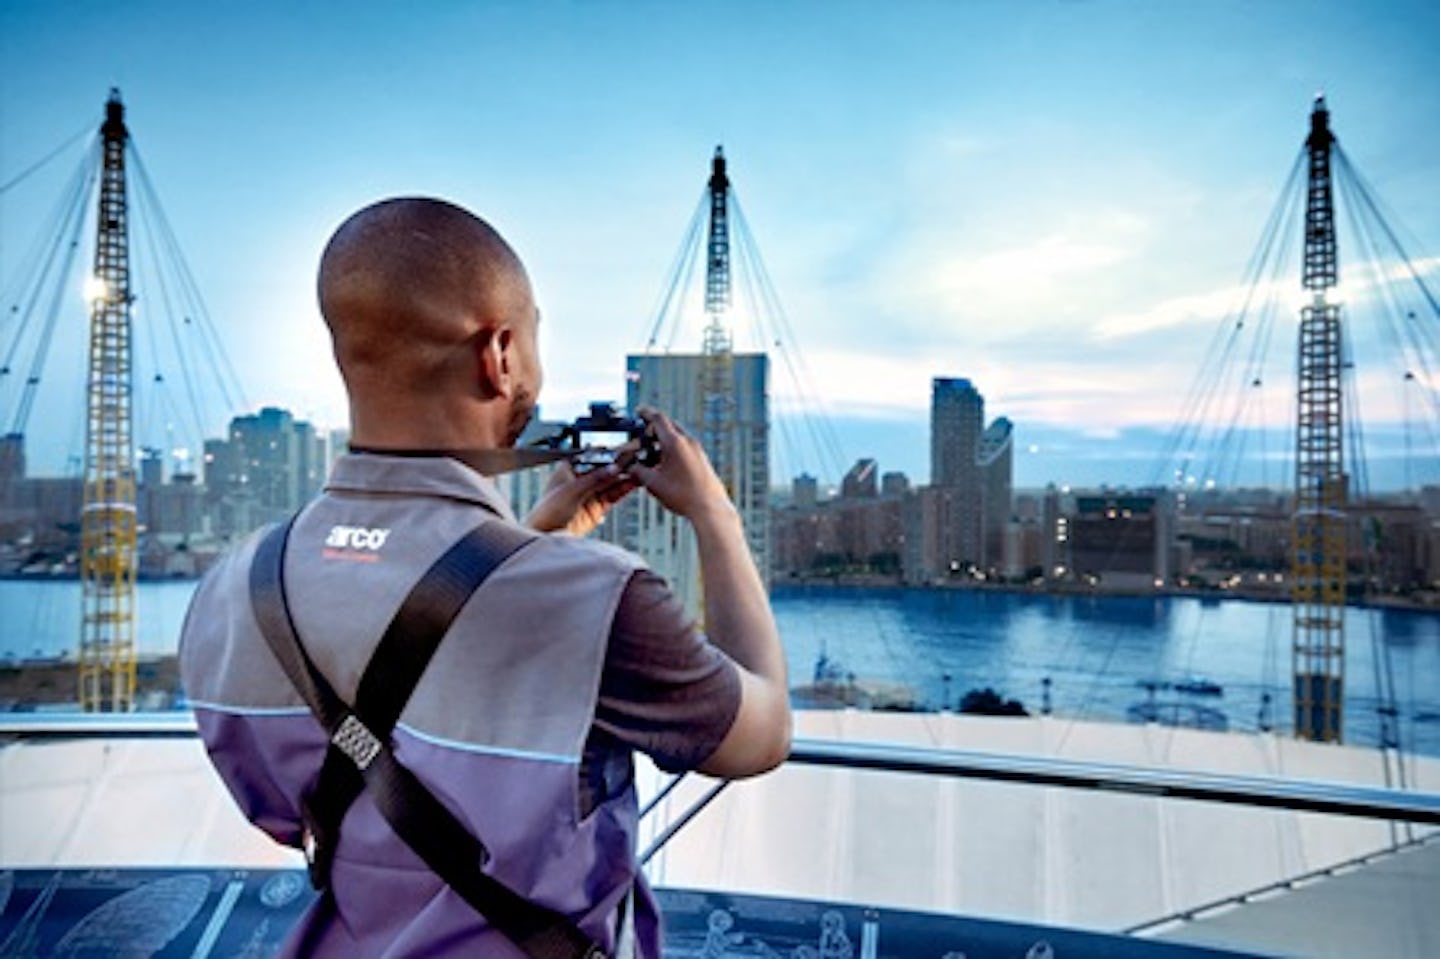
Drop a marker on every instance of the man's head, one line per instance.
(433, 324)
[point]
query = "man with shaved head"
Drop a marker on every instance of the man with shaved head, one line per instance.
(567, 657)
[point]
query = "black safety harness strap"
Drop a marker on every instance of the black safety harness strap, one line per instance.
(359, 755)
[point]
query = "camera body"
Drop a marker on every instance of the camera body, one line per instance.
(603, 436)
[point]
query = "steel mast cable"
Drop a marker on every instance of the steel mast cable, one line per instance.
(210, 343)
(145, 209)
(1216, 358)
(1367, 195)
(750, 296)
(767, 330)
(680, 270)
(32, 278)
(1212, 442)
(39, 164)
(1388, 307)
(54, 282)
(1412, 340)
(167, 309)
(45, 241)
(826, 439)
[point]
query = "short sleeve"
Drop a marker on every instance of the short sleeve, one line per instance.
(665, 690)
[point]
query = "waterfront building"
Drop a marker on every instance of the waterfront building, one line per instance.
(925, 521)
(12, 457)
(995, 461)
(805, 491)
(269, 465)
(1122, 539)
(894, 484)
(45, 511)
(861, 481)
(974, 465)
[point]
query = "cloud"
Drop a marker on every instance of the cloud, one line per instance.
(1359, 284)
(1021, 276)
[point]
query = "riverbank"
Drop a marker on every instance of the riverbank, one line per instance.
(1420, 602)
(46, 685)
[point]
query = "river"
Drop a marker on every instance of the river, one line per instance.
(1094, 649)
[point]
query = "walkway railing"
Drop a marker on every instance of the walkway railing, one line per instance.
(1340, 799)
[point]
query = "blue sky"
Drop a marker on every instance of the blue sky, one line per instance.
(1054, 199)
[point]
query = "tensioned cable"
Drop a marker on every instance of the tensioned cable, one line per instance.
(1388, 306)
(1192, 419)
(681, 267)
(768, 333)
(42, 257)
(1400, 339)
(1410, 340)
(1211, 443)
(40, 163)
(225, 377)
(1367, 195)
(827, 442)
(144, 213)
(72, 225)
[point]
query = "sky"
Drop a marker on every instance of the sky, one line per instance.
(1057, 200)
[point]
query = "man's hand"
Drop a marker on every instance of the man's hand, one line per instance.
(738, 619)
(577, 504)
(684, 482)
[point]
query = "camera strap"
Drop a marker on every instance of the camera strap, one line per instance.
(486, 462)
(360, 756)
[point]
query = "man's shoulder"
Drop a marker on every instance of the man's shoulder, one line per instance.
(596, 551)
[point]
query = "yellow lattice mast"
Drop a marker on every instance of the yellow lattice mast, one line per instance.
(107, 526)
(1318, 577)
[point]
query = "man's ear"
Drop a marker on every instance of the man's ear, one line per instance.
(496, 375)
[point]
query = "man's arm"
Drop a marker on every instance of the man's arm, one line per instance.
(738, 619)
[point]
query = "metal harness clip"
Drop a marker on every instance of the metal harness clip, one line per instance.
(357, 742)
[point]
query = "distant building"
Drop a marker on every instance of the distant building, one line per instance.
(995, 461)
(957, 420)
(1121, 539)
(925, 519)
(805, 491)
(974, 465)
(12, 457)
(859, 532)
(862, 481)
(269, 466)
(894, 485)
(337, 443)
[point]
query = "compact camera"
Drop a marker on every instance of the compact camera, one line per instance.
(604, 436)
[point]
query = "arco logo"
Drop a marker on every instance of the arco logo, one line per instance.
(357, 537)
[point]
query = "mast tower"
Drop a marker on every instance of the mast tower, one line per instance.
(717, 371)
(108, 522)
(1318, 576)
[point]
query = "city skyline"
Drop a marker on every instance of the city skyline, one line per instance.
(1055, 201)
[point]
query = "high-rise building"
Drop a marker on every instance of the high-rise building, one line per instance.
(957, 420)
(270, 465)
(862, 481)
(674, 383)
(995, 461)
